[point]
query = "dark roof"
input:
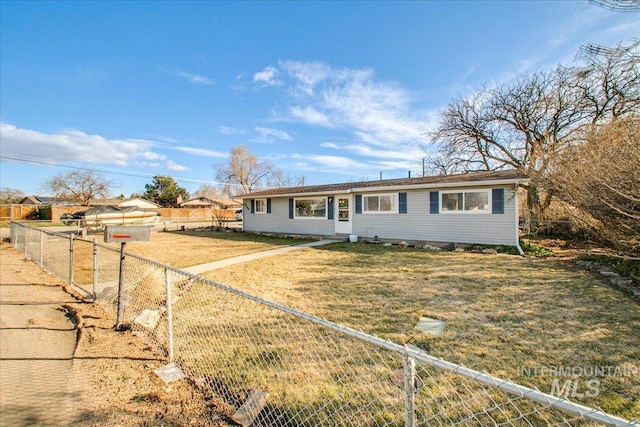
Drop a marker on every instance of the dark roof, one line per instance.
(205, 201)
(426, 181)
(43, 200)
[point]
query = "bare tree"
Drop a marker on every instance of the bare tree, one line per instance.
(522, 126)
(600, 180)
(207, 191)
(280, 178)
(527, 124)
(81, 185)
(609, 80)
(10, 195)
(244, 173)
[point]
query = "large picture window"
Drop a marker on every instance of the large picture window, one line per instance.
(465, 201)
(381, 203)
(311, 208)
(261, 205)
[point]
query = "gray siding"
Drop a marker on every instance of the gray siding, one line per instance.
(458, 227)
(278, 220)
(416, 224)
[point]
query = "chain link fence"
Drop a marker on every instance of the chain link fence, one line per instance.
(276, 366)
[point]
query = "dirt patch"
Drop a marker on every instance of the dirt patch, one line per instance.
(114, 371)
(123, 388)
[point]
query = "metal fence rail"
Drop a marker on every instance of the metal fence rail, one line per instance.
(276, 366)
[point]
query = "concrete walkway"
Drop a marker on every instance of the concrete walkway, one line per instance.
(209, 266)
(199, 269)
(37, 344)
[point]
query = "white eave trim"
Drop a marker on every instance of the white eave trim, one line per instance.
(387, 188)
(441, 185)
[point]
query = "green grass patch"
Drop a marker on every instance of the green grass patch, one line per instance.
(535, 249)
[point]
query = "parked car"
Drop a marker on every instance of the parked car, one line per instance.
(238, 215)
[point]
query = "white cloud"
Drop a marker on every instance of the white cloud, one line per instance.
(267, 77)
(76, 146)
(344, 165)
(334, 164)
(310, 116)
(228, 130)
(270, 135)
(353, 100)
(306, 74)
(151, 156)
(381, 119)
(203, 152)
(408, 154)
(194, 78)
(172, 166)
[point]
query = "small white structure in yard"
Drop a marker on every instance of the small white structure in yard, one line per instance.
(475, 207)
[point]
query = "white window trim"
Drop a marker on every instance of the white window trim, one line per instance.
(458, 212)
(394, 209)
(295, 211)
(264, 202)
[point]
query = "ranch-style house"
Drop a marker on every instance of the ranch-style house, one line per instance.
(474, 207)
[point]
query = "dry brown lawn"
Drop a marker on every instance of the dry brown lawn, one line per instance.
(186, 248)
(178, 249)
(504, 313)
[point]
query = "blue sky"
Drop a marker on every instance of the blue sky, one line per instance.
(332, 91)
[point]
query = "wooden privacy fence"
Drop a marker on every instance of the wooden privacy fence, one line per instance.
(17, 212)
(195, 214)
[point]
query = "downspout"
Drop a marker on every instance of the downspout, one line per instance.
(520, 251)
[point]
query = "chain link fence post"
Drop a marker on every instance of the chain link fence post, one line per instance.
(95, 267)
(41, 258)
(120, 315)
(167, 280)
(409, 389)
(71, 258)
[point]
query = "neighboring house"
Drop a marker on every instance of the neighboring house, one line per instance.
(204, 202)
(475, 207)
(44, 200)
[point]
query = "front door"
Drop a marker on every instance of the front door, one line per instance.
(342, 215)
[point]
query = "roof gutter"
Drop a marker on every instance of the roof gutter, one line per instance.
(486, 183)
(383, 188)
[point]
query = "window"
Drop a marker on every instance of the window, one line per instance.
(465, 201)
(381, 203)
(343, 209)
(311, 208)
(261, 206)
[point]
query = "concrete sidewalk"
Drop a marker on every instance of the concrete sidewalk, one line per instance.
(112, 285)
(37, 344)
(199, 269)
